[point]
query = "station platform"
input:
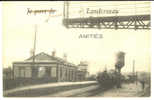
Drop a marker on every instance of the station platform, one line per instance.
(48, 85)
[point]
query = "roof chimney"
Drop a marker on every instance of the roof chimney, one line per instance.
(54, 53)
(65, 56)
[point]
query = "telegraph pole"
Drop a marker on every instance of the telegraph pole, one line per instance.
(34, 43)
(133, 71)
(34, 69)
(133, 67)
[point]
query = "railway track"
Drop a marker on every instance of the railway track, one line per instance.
(91, 92)
(88, 91)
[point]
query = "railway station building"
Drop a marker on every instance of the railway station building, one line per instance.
(47, 68)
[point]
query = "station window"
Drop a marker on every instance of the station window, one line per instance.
(41, 72)
(53, 72)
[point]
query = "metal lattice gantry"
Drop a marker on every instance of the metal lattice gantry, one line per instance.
(136, 19)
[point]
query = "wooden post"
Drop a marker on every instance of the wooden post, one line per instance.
(34, 69)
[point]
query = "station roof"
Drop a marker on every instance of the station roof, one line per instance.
(46, 58)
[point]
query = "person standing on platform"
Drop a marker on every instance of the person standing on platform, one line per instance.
(143, 84)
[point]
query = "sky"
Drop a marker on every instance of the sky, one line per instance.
(18, 30)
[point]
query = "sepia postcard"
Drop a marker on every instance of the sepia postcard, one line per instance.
(76, 49)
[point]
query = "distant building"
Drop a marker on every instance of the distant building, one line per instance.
(82, 72)
(47, 67)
